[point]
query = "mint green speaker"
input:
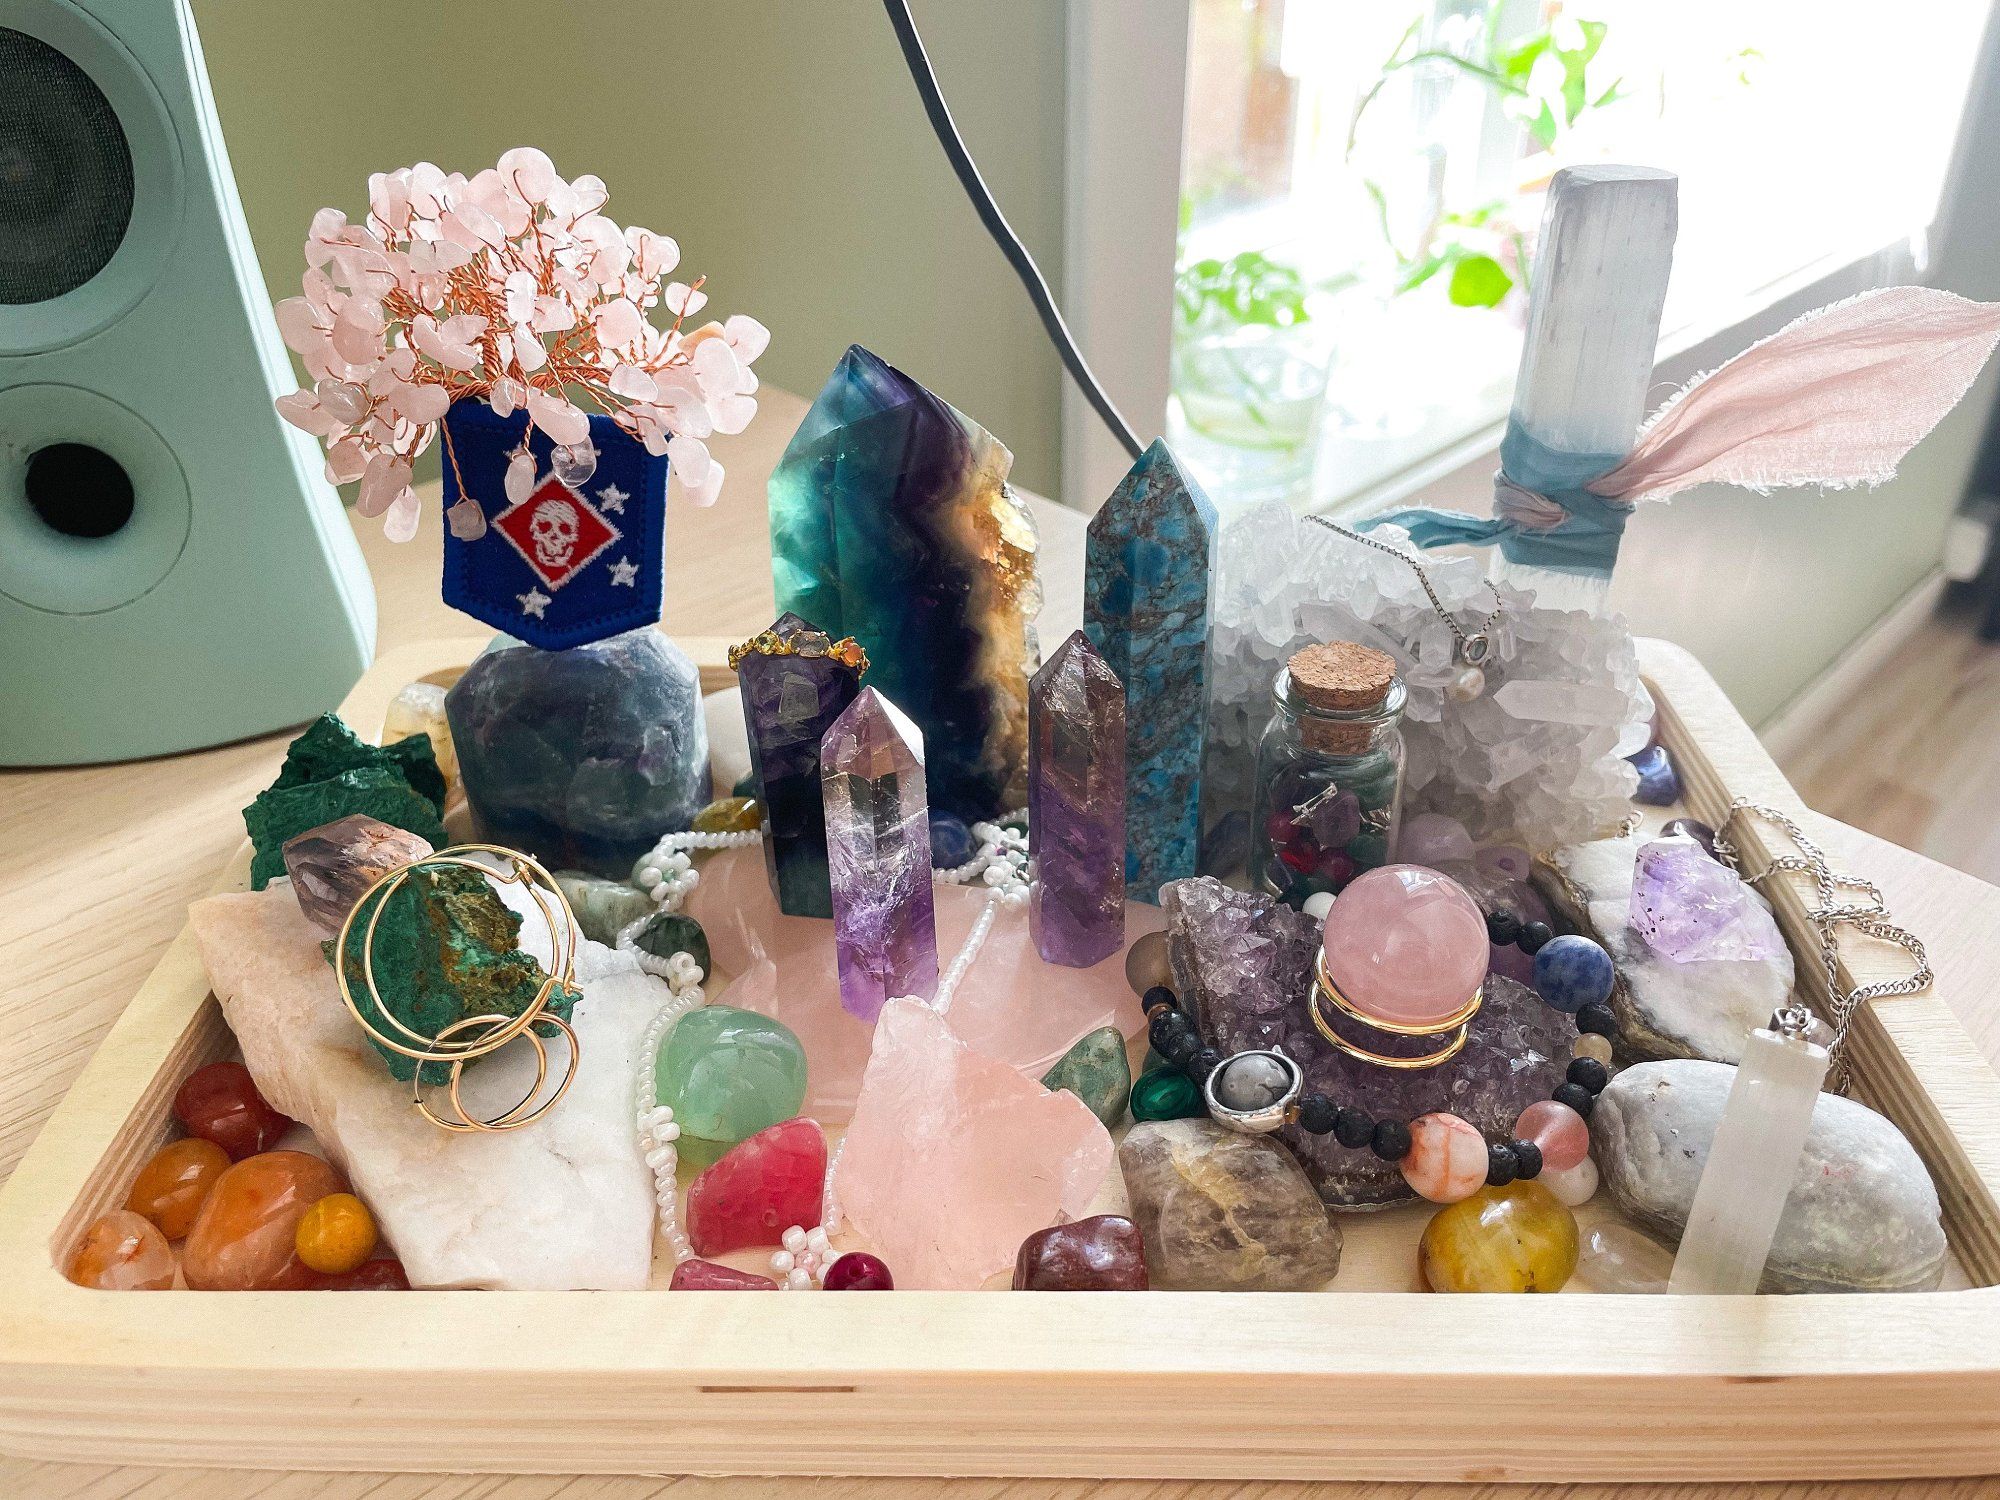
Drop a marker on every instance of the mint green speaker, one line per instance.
(174, 570)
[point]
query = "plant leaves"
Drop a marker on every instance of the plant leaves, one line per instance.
(1479, 281)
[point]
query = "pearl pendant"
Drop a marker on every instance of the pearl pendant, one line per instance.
(1467, 683)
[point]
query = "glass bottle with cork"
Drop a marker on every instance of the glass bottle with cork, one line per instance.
(1329, 772)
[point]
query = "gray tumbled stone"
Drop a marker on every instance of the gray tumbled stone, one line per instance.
(1862, 1215)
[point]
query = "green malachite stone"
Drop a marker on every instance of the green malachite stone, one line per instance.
(727, 1074)
(1098, 1072)
(329, 773)
(445, 948)
(603, 908)
(1166, 1094)
(672, 932)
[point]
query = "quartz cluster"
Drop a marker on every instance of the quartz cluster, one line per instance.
(1536, 755)
(1246, 961)
(892, 522)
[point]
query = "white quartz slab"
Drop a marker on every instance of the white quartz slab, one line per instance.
(563, 1204)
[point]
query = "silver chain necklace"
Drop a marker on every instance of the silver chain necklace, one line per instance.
(1469, 649)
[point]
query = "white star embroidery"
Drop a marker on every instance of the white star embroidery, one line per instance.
(613, 499)
(623, 573)
(533, 602)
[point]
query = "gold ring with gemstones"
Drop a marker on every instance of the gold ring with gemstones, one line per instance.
(1324, 989)
(811, 644)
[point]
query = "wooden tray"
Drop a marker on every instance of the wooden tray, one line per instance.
(1375, 1384)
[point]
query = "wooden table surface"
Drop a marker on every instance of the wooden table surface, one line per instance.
(98, 865)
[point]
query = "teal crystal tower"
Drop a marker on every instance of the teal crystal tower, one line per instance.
(1147, 574)
(892, 522)
(1076, 807)
(878, 842)
(790, 699)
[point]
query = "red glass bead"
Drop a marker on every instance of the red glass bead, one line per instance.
(1298, 857)
(708, 1276)
(758, 1189)
(383, 1274)
(220, 1103)
(1336, 865)
(858, 1271)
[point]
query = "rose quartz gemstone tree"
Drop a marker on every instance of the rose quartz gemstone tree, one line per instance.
(1406, 945)
(1447, 1160)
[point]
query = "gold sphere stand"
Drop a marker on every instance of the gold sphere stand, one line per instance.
(472, 1037)
(1326, 992)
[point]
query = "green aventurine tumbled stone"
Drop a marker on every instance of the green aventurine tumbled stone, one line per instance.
(603, 908)
(1098, 1072)
(329, 773)
(673, 932)
(1166, 1094)
(727, 1074)
(444, 949)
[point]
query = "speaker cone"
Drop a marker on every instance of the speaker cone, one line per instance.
(65, 173)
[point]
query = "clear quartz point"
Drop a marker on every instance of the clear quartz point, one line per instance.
(1751, 1164)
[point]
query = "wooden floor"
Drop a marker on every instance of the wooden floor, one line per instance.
(1915, 758)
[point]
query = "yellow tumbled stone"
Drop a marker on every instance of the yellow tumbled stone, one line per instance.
(1518, 1238)
(730, 815)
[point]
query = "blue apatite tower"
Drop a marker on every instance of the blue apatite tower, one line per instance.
(1148, 571)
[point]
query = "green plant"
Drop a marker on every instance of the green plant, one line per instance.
(1248, 288)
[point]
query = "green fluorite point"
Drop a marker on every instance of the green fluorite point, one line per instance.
(727, 1074)
(1166, 1094)
(1098, 1072)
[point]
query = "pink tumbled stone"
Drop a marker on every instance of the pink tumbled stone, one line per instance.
(1562, 1133)
(1447, 1159)
(709, 1276)
(1406, 945)
(1430, 837)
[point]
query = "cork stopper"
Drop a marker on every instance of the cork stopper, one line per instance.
(1344, 679)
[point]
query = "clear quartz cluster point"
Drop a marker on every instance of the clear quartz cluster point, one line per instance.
(1691, 908)
(879, 856)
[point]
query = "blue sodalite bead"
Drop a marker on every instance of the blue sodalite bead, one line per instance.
(1148, 570)
(951, 841)
(1659, 782)
(1572, 972)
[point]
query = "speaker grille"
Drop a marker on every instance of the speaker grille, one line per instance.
(65, 173)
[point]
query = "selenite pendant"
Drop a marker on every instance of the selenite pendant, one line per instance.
(1751, 1164)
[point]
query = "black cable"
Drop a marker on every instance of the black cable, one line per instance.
(997, 225)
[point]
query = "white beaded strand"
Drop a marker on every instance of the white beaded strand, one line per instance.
(667, 874)
(658, 1130)
(801, 1264)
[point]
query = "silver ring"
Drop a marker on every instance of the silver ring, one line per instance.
(1254, 1121)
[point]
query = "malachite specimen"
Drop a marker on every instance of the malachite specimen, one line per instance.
(329, 773)
(1076, 806)
(892, 522)
(1147, 574)
(878, 840)
(445, 948)
(1098, 1071)
(727, 1074)
(1167, 1094)
(789, 703)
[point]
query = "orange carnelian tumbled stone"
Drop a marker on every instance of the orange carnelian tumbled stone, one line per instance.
(122, 1252)
(336, 1234)
(243, 1239)
(383, 1274)
(171, 1188)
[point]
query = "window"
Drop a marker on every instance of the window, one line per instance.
(1361, 185)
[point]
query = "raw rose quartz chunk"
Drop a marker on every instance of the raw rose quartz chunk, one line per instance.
(1011, 1005)
(953, 1157)
(758, 1189)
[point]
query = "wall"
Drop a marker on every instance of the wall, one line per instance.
(779, 141)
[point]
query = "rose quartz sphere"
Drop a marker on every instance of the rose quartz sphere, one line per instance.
(1406, 945)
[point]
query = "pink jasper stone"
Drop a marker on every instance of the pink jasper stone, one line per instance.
(858, 1271)
(1562, 1133)
(1406, 945)
(758, 1189)
(1447, 1159)
(708, 1276)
